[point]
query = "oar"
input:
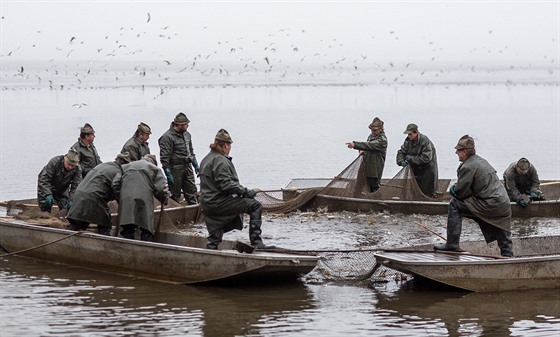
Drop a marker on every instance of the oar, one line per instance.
(158, 225)
(551, 183)
(430, 230)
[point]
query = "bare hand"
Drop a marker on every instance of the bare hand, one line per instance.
(350, 145)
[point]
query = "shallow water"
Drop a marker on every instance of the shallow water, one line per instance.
(279, 132)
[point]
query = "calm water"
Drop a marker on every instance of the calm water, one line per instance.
(279, 132)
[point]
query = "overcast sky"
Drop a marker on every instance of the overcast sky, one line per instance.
(290, 31)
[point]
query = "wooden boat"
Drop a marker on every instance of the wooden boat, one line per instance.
(545, 208)
(174, 258)
(536, 265)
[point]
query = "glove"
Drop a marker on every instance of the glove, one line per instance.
(404, 163)
(408, 158)
(522, 202)
(165, 200)
(250, 193)
(533, 196)
(49, 200)
(68, 204)
(453, 191)
(170, 180)
(195, 165)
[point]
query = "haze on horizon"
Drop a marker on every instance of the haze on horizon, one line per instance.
(272, 33)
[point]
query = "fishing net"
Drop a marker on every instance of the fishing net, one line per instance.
(351, 266)
(351, 183)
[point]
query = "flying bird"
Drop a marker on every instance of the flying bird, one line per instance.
(149, 17)
(72, 39)
(167, 62)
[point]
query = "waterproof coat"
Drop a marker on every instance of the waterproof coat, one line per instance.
(374, 153)
(423, 159)
(136, 148)
(221, 193)
(175, 148)
(92, 195)
(88, 156)
(55, 180)
(517, 184)
(479, 187)
(136, 188)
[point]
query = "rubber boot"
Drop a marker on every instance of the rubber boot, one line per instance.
(504, 242)
(127, 231)
(255, 235)
(103, 230)
(454, 228)
(214, 239)
(146, 235)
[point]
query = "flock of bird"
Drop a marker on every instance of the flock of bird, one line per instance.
(285, 56)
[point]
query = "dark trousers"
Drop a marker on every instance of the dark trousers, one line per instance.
(373, 184)
(78, 225)
(458, 209)
(254, 209)
(128, 231)
(183, 176)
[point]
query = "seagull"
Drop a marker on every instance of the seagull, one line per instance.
(149, 17)
(266, 59)
(72, 39)
(79, 105)
(167, 62)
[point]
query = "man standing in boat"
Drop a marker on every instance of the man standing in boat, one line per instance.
(178, 159)
(224, 199)
(58, 181)
(92, 196)
(88, 153)
(374, 151)
(135, 189)
(137, 146)
(522, 182)
(479, 195)
(420, 153)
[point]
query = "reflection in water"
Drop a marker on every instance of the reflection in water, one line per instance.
(46, 299)
(480, 314)
(64, 300)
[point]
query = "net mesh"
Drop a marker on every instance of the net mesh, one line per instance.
(350, 183)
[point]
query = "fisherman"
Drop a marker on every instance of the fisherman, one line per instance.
(178, 159)
(522, 182)
(92, 196)
(58, 181)
(135, 189)
(479, 195)
(374, 151)
(419, 152)
(224, 199)
(88, 153)
(137, 146)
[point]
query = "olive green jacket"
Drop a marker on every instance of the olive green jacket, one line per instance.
(175, 148)
(517, 184)
(375, 150)
(55, 180)
(219, 184)
(135, 189)
(92, 195)
(88, 156)
(136, 148)
(422, 156)
(480, 188)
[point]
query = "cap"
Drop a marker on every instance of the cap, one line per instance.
(465, 142)
(523, 166)
(223, 136)
(124, 157)
(87, 128)
(181, 118)
(150, 158)
(72, 157)
(143, 127)
(376, 124)
(411, 128)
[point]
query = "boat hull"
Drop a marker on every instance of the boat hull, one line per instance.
(538, 266)
(158, 261)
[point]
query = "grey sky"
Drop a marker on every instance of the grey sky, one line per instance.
(294, 31)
